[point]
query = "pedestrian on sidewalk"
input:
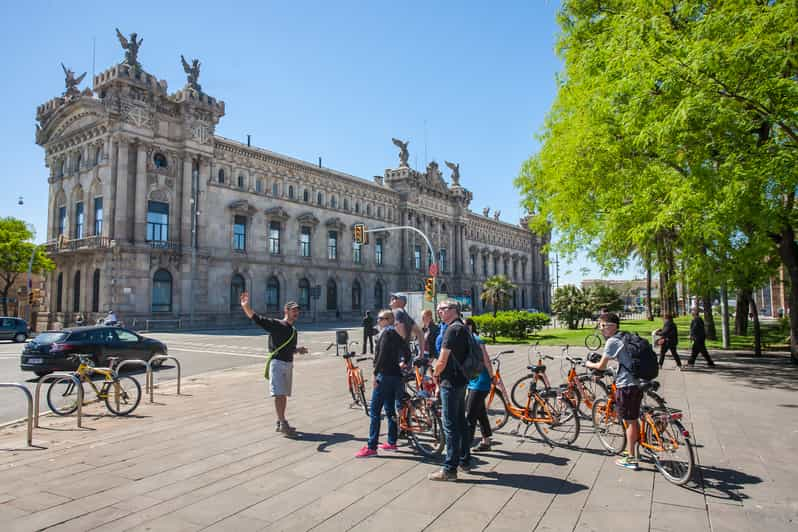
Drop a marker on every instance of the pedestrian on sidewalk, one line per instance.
(698, 335)
(478, 390)
(628, 395)
(452, 385)
(669, 340)
(430, 330)
(387, 383)
(368, 332)
(280, 362)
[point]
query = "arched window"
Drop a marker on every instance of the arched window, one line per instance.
(162, 291)
(220, 175)
(332, 295)
(291, 191)
(237, 286)
(98, 153)
(304, 294)
(59, 293)
(346, 204)
(356, 298)
(273, 294)
(159, 160)
(333, 202)
(76, 293)
(378, 295)
(258, 186)
(379, 211)
(319, 198)
(240, 181)
(95, 291)
(523, 298)
(368, 210)
(275, 189)
(305, 196)
(357, 207)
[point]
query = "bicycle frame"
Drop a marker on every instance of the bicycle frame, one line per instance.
(522, 414)
(84, 371)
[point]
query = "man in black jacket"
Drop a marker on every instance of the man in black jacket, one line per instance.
(368, 332)
(670, 338)
(699, 337)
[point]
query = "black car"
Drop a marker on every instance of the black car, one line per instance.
(49, 351)
(15, 329)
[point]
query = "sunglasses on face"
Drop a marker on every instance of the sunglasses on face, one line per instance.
(382, 318)
(605, 325)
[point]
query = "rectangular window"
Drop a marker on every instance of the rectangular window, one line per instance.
(442, 260)
(258, 186)
(515, 270)
(429, 257)
(356, 253)
(472, 260)
(304, 242)
(417, 258)
(485, 265)
(378, 251)
(274, 238)
(61, 220)
(523, 271)
(157, 221)
(79, 221)
(332, 245)
(98, 216)
(495, 265)
(240, 233)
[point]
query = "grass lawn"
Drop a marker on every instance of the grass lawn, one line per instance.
(771, 336)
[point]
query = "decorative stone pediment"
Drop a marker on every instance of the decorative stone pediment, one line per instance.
(242, 207)
(473, 249)
(159, 195)
(335, 223)
(277, 214)
(308, 218)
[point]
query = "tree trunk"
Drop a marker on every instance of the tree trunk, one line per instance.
(709, 320)
(757, 329)
(5, 299)
(788, 251)
(741, 316)
(649, 304)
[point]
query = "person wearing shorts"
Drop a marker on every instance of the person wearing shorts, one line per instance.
(283, 345)
(628, 395)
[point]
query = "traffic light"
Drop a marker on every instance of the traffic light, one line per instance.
(361, 236)
(31, 298)
(429, 288)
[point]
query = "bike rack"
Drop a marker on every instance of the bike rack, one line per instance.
(53, 376)
(137, 362)
(152, 379)
(30, 406)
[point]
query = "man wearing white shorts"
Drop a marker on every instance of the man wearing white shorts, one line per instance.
(282, 346)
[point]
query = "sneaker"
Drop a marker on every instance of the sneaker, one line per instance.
(627, 462)
(277, 427)
(481, 447)
(466, 467)
(443, 475)
(287, 429)
(388, 447)
(365, 452)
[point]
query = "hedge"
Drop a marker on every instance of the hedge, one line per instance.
(510, 323)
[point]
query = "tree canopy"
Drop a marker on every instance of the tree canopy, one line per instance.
(16, 249)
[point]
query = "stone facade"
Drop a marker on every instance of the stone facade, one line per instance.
(154, 215)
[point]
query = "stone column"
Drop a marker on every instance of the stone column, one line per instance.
(120, 202)
(185, 194)
(140, 200)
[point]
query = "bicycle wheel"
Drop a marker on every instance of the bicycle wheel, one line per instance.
(588, 394)
(608, 427)
(123, 395)
(497, 410)
(361, 393)
(574, 396)
(563, 429)
(593, 341)
(519, 393)
(425, 430)
(62, 396)
(676, 460)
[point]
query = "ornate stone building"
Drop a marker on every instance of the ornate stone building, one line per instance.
(154, 215)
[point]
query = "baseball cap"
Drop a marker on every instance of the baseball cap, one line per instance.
(399, 296)
(291, 304)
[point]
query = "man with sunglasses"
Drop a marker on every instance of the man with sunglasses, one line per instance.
(452, 382)
(628, 395)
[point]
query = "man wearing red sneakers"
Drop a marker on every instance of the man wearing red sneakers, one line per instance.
(388, 387)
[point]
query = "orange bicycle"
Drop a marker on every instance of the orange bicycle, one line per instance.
(537, 373)
(354, 378)
(584, 389)
(419, 415)
(662, 436)
(555, 417)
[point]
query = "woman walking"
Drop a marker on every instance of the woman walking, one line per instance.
(478, 390)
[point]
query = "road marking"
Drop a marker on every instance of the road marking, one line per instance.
(215, 352)
(10, 357)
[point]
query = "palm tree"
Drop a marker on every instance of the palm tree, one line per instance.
(497, 291)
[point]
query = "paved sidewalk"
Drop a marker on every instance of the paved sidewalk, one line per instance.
(210, 460)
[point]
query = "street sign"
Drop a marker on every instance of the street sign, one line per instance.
(433, 269)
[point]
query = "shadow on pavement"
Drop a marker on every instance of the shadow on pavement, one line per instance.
(530, 458)
(766, 372)
(327, 440)
(728, 482)
(528, 482)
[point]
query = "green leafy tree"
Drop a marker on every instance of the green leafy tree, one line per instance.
(16, 249)
(571, 305)
(497, 291)
(602, 296)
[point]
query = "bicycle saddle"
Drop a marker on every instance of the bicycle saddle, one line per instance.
(361, 359)
(348, 355)
(575, 360)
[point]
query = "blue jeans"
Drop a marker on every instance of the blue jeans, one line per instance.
(386, 394)
(454, 426)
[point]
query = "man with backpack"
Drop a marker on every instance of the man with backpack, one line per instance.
(451, 373)
(635, 359)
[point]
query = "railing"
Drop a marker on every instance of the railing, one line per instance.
(152, 380)
(164, 244)
(30, 406)
(53, 376)
(66, 244)
(147, 323)
(137, 362)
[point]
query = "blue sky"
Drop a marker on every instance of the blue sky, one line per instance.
(469, 82)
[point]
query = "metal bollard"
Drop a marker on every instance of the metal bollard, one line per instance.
(152, 379)
(137, 362)
(30, 406)
(53, 376)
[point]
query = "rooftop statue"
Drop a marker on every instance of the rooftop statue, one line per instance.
(131, 48)
(72, 82)
(496, 215)
(193, 72)
(486, 212)
(455, 168)
(403, 153)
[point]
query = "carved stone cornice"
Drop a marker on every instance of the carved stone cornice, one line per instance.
(308, 218)
(277, 214)
(242, 207)
(335, 223)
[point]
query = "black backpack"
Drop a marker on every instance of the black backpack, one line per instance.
(473, 363)
(644, 360)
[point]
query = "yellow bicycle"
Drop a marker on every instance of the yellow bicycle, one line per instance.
(121, 394)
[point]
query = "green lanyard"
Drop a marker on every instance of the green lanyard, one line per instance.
(273, 353)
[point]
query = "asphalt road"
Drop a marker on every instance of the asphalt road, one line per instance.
(198, 352)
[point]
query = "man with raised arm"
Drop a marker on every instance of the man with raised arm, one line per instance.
(280, 362)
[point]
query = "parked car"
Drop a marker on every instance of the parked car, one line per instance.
(50, 350)
(15, 329)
